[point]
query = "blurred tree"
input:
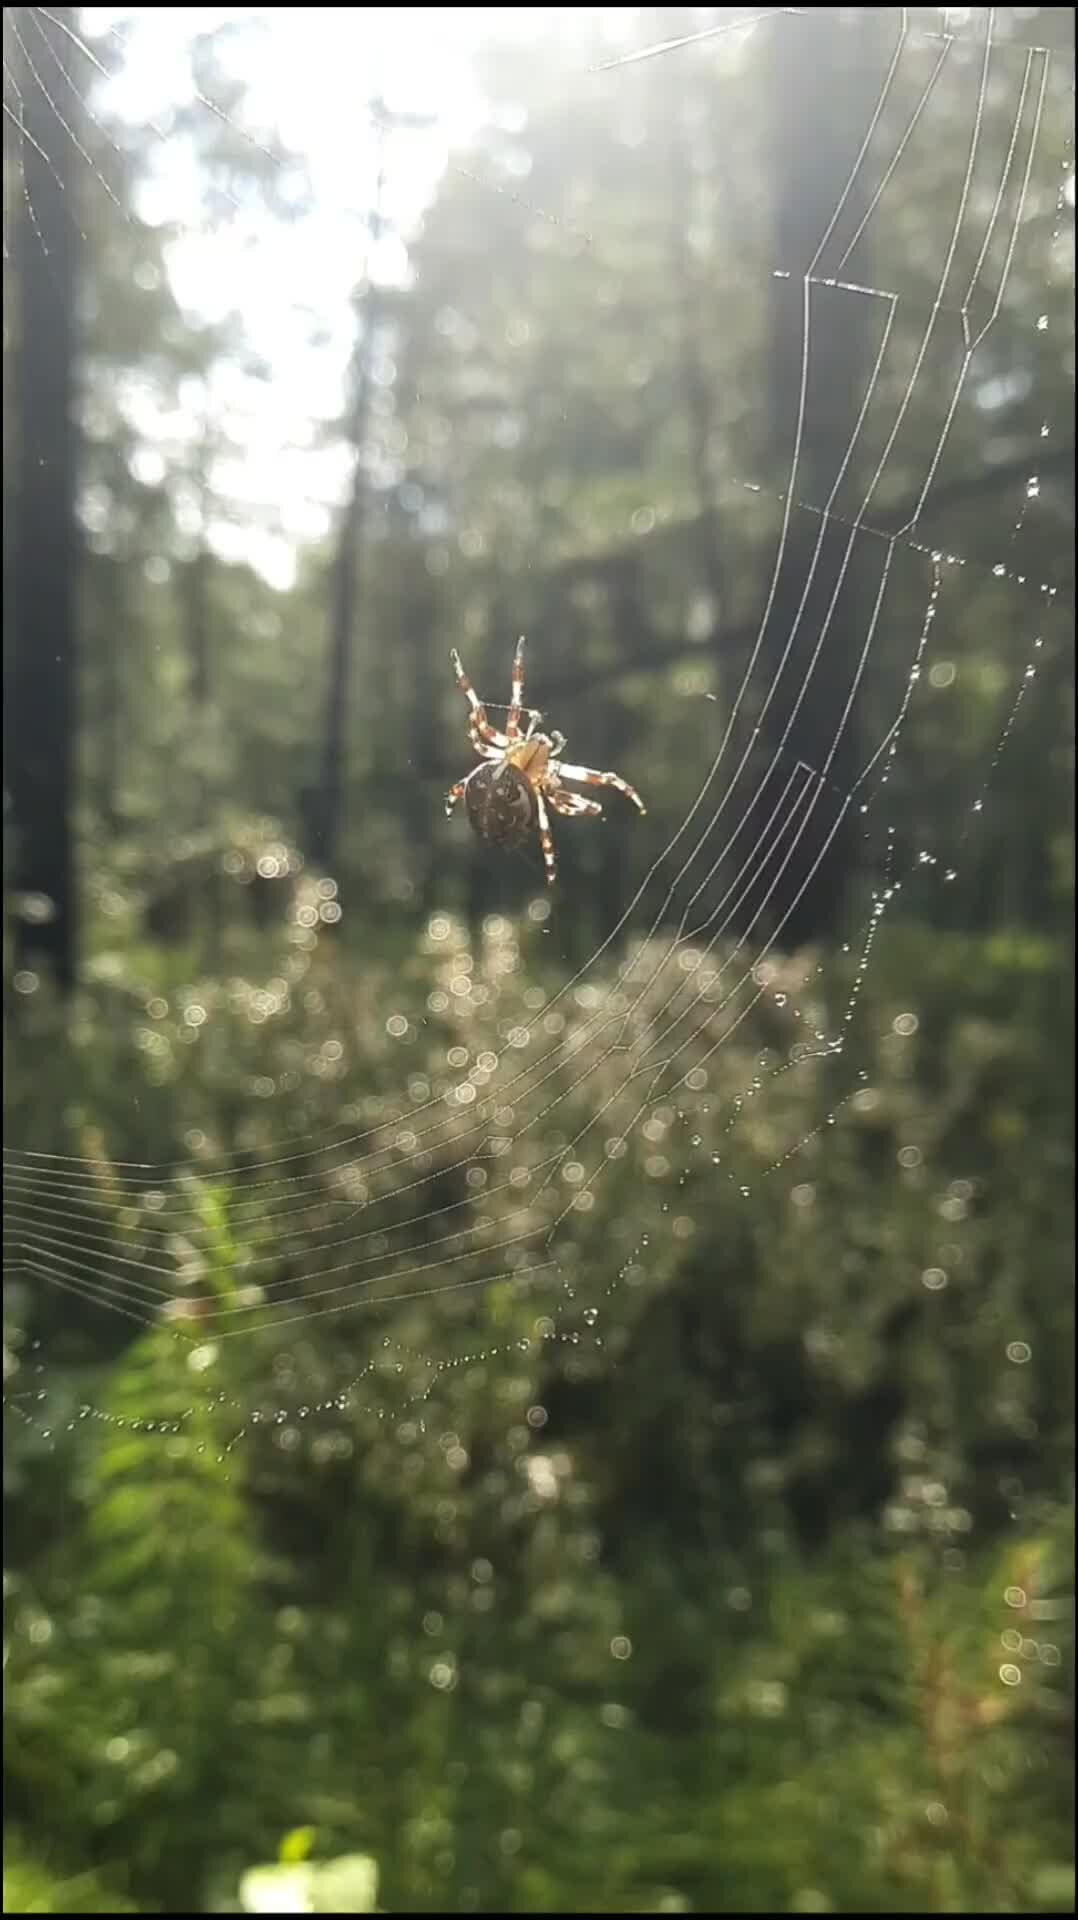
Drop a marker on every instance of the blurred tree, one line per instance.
(823, 341)
(728, 1566)
(347, 573)
(41, 707)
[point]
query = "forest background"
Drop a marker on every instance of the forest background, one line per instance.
(696, 1539)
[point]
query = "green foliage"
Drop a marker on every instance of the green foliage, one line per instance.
(773, 1487)
(727, 1566)
(28, 1888)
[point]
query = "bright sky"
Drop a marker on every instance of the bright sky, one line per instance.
(308, 76)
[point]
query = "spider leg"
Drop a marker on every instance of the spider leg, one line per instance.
(572, 805)
(517, 711)
(492, 746)
(589, 777)
(545, 839)
(512, 725)
(479, 723)
(453, 796)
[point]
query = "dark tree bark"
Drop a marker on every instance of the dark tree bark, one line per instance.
(42, 683)
(195, 583)
(344, 607)
(422, 701)
(827, 77)
(328, 799)
(699, 395)
(111, 575)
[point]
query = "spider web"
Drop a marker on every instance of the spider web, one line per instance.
(649, 1052)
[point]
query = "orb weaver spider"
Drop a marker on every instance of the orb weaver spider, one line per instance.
(521, 773)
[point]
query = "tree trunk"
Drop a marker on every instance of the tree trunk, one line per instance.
(196, 574)
(111, 576)
(343, 615)
(699, 395)
(41, 710)
(326, 803)
(421, 702)
(827, 75)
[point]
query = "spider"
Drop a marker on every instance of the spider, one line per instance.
(521, 773)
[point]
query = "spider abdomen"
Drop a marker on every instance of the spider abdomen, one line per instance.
(500, 803)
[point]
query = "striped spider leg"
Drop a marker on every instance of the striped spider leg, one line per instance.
(455, 793)
(590, 777)
(546, 839)
(483, 734)
(516, 701)
(572, 805)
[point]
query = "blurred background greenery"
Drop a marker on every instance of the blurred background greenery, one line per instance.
(399, 1514)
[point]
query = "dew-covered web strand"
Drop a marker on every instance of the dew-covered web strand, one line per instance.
(27, 1211)
(915, 671)
(655, 1069)
(872, 931)
(25, 1218)
(890, 169)
(351, 1240)
(1032, 144)
(349, 1286)
(369, 113)
(26, 138)
(36, 15)
(138, 1167)
(58, 114)
(519, 1274)
(714, 769)
(972, 345)
(890, 443)
(958, 221)
(898, 722)
(89, 1243)
(974, 138)
(150, 1296)
(794, 628)
(724, 27)
(873, 123)
(882, 897)
(416, 1219)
